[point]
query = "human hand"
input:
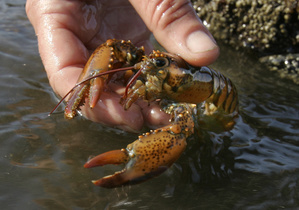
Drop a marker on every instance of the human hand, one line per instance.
(68, 32)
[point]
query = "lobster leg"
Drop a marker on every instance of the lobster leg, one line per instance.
(151, 154)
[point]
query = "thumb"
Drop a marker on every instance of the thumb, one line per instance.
(177, 28)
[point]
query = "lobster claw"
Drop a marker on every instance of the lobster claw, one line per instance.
(111, 55)
(147, 157)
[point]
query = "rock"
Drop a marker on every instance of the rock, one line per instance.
(268, 27)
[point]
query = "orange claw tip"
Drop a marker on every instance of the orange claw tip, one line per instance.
(112, 157)
(96, 90)
(127, 177)
(112, 181)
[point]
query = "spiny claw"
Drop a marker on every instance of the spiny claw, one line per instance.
(147, 157)
(151, 154)
(113, 54)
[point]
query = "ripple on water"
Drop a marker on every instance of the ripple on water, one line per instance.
(253, 166)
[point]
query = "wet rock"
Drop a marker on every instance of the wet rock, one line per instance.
(268, 27)
(286, 65)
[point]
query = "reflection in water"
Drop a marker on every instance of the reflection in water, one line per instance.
(252, 166)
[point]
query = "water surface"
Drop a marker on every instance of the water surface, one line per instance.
(253, 166)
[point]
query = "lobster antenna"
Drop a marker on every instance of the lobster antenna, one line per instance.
(88, 79)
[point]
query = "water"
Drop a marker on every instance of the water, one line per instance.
(253, 166)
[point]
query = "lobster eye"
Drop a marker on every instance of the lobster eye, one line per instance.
(161, 62)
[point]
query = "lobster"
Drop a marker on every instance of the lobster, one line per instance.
(180, 87)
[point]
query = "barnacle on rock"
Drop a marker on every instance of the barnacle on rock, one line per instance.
(268, 27)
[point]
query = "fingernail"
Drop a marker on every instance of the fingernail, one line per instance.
(199, 41)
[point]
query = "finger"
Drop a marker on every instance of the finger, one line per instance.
(111, 113)
(176, 26)
(62, 53)
(153, 116)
